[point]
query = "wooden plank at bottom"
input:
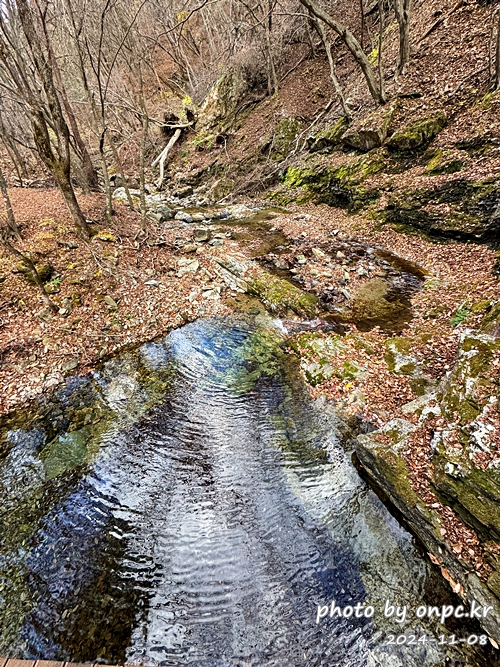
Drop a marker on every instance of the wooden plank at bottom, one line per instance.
(12, 662)
(48, 663)
(3, 661)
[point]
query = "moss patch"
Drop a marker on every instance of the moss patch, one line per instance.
(417, 134)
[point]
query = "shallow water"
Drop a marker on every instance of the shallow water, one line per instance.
(188, 504)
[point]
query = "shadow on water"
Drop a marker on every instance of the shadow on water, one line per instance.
(188, 504)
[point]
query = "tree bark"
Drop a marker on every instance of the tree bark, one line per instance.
(11, 220)
(497, 62)
(402, 9)
(354, 47)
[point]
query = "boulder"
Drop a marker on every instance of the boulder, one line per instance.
(277, 294)
(370, 132)
(329, 137)
(183, 216)
(418, 134)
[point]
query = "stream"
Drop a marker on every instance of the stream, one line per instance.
(188, 503)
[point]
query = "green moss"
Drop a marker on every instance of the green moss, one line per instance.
(284, 138)
(280, 295)
(470, 209)
(337, 186)
(417, 134)
(329, 137)
(443, 162)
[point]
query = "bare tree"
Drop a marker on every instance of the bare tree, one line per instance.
(320, 28)
(353, 45)
(45, 112)
(497, 59)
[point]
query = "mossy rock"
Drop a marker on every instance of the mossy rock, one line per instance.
(279, 295)
(220, 105)
(338, 186)
(45, 271)
(371, 132)
(459, 394)
(471, 210)
(444, 162)
(384, 463)
(398, 356)
(418, 134)
(284, 138)
(373, 305)
(490, 323)
(329, 137)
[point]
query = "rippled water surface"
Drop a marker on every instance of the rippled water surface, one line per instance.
(189, 505)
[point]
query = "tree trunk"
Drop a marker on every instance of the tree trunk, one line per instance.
(11, 220)
(81, 148)
(354, 47)
(381, 46)
(402, 9)
(497, 63)
(328, 48)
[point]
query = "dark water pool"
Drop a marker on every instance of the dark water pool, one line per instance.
(188, 504)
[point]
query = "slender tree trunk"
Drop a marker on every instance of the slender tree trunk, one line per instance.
(353, 45)
(402, 9)
(11, 220)
(142, 150)
(497, 63)
(320, 27)
(381, 46)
